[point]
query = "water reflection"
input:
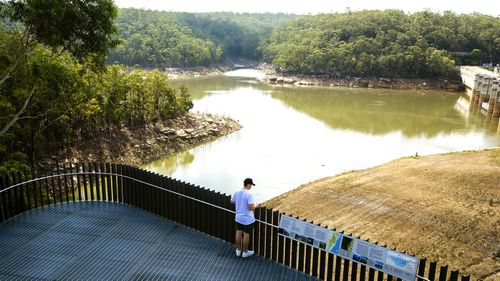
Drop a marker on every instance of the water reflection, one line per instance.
(292, 136)
(169, 164)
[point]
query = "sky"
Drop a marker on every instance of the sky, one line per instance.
(489, 7)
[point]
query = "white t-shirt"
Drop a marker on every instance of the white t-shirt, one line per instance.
(242, 198)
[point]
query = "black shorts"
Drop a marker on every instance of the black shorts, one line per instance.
(247, 228)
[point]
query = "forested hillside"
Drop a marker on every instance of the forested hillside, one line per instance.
(165, 39)
(384, 43)
(55, 88)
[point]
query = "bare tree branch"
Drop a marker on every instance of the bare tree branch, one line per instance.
(25, 49)
(41, 129)
(18, 114)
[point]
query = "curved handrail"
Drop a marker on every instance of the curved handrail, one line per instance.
(130, 178)
(148, 184)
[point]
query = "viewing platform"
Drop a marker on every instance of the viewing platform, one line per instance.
(114, 241)
(106, 221)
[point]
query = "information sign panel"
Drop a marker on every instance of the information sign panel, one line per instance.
(380, 258)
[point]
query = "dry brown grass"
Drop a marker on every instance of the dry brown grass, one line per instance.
(442, 207)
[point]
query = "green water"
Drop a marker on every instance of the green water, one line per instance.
(294, 135)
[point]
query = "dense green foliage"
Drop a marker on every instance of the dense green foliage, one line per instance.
(52, 94)
(384, 43)
(71, 102)
(164, 39)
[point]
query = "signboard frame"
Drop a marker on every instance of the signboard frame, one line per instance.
(371, 255)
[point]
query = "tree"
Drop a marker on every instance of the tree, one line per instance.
(84, 28)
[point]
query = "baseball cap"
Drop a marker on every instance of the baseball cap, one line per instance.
(248, 181)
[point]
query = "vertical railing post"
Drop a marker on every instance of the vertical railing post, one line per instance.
(23, 192)
(354, 268)
(280, 241)
(256, 231)
(136, 190)
(12, 193)
(205, 211)
(371, 274)
(454, 275)
(294, 250)
(338, 267)
(288, 246)
(269, 219)
(11, 180)
(84, 181)
(190, 206)
(230, 223)
(265, 240)
(329, 268)
(65, 177)
(97, 182)
(171, 202)
(301, 257)
(219, 216)
(164, 197)
(443, 272)
(46, 187)
(176, 202)
(58, 179)
(308, 252)
(78, 181)
(53, 184)
(432, 271)
(155, 179)
(217, 219)
(421, 267)
(322, 265)
(36, 190)
(103, 181)
(133, 191)
(3, 207)
(118, 184)
(315, 261)
(91, 181)
(109, 183)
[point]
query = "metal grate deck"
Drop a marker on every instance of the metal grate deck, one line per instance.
(111, 241)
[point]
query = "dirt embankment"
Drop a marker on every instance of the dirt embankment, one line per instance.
(275, 77)
(442, 207)
(142, 144)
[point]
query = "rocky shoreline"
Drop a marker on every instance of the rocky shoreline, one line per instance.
(201, 71)
(275, 77)
(142, 144)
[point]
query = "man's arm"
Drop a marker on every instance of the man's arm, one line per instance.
(253, 206)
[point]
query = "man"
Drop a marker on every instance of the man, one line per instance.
(245, 219)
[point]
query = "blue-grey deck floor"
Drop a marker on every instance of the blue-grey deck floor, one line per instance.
(111, 241)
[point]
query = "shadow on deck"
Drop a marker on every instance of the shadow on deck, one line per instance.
(112, 241)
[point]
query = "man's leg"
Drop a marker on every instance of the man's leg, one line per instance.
(246, 241)
(239, 239)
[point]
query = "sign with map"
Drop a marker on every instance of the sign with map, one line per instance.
(374, 256)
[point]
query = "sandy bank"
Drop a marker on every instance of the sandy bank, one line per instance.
(442, 207)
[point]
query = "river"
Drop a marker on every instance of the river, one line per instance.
(293, 135)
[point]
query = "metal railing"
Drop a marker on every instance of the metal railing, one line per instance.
(202, 209)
